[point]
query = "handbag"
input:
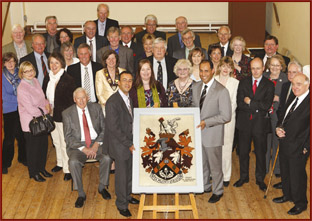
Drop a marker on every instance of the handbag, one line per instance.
(41, 125)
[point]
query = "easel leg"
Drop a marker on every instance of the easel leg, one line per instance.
(142, 202)
(193, 203)
(155, 205)
(176, 213)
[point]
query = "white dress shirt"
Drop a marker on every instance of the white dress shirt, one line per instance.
(300, 99)
(208, 86)
(164, 71)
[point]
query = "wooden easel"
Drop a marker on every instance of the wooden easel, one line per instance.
(167, 208)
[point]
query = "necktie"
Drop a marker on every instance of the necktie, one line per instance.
(44, 68)
(181, 42)
(202, 97)
(86, 129)
(222, 52)
(129, 106)
(126, 45)
(91, 46)
(291, 110)
(254, 88)
(86, 82)
(159, 73)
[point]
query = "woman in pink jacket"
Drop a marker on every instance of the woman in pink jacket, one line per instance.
(30, 97)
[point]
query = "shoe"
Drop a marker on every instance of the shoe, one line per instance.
(215, 198)
(278, 185)
(105, 194)
(277, 175)
(125, 212)
(281, 199)
(208, 191)
(262, 185)
(80, 201)
(226, 183)
(112, 171)
(56, 169)
(38, 178)
(67, 176)
(240, 182)
(134, 201)
(296, 210)
(4, 170)
(46, 174)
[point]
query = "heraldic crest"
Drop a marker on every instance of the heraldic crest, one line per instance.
(165, 159)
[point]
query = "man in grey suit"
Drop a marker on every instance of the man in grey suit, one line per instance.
(119, 120)
(125, 54)
(84, 136)
(214, 102)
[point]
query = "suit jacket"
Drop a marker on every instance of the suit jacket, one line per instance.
(109, 23)
(74, 70)
(283, 96)
(10, 47)
(100, 41)
(139, 36)
(32, 59)
(259, 105)
(180, 54)
(229, 52)
(63, 95)
(119, 128)
(126, 60)
(170, 62)
(71, 126)
(297, 129)
(216, 111)
(46, 35)
(174, 43)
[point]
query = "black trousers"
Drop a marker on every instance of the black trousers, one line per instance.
(12, 130)
(36, 149)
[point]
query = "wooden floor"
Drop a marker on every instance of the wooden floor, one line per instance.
(23, 198)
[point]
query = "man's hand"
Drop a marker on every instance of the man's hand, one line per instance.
(202, 125)
(280, 132)
(95, 147)
(89, 152)
(247, 100)
(131, 149)
(276, 98)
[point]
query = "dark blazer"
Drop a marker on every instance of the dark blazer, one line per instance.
(229, 52)
(170, 62)
(100, 41)
(174, 44)
(31, 58)
(282, 99)
(63, 95)
(75, 71)
(138, 50)
(157, 34)
(259, 105)
(46, 35)
(118, 128)
(109, 23)
(180, 54)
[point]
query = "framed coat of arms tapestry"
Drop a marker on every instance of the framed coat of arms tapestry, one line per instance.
(168, 151)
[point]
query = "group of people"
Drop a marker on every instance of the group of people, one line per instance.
(91, 99)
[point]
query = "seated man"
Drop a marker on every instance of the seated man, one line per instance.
(188, 38)
(84, 135)
(175, 41)
(151, 23)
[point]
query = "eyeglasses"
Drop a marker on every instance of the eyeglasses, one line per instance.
(182, 69)
(28, 71)
(275, 65)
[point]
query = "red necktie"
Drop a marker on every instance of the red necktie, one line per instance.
(254, 88)
(86, 129)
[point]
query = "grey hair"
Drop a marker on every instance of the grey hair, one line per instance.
(50, 17)
(105, 5)
(181, 17)
(227, 27)
(295, 63)
(183, 62)
(187, 31)
(38, 35)
(17, 26)
(79, 89)
(150, 17)
(160, 40)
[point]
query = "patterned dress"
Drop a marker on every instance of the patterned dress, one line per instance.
(183, 100)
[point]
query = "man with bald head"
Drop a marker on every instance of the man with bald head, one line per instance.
(103, 23)
(224, 35)
(254, 99)
(175, 42)
(294, 132)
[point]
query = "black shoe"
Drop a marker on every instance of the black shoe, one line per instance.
(277, 175)
(262, 185)
(296, 210)
(240, 182)
(38, 178)
(105, 194)
(278, 185)
(281, 199)
(46, 174)
(67, 176)
(215, 198)
(80, 201)
(134, 201)
(56, 169)
(226, 183)
(4, 170)
(125, 212)
(112, 171)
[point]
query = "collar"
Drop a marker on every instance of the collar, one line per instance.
(80, 110)
(258, 80)
(92, 39)
(209, 83)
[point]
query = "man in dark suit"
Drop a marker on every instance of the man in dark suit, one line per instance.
(103, 23)
(215, 110)
(95, 42)
(224, 35)
(175, 41)
(294, 132)
(119, 121)
(254, 99)
(39, 57)
(125, 54)
(188, 38)
(162, 64)
(151, 23)
(84, 72)
(84, 129)
(50, 35)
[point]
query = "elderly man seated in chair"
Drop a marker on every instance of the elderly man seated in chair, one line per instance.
(84, 135)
